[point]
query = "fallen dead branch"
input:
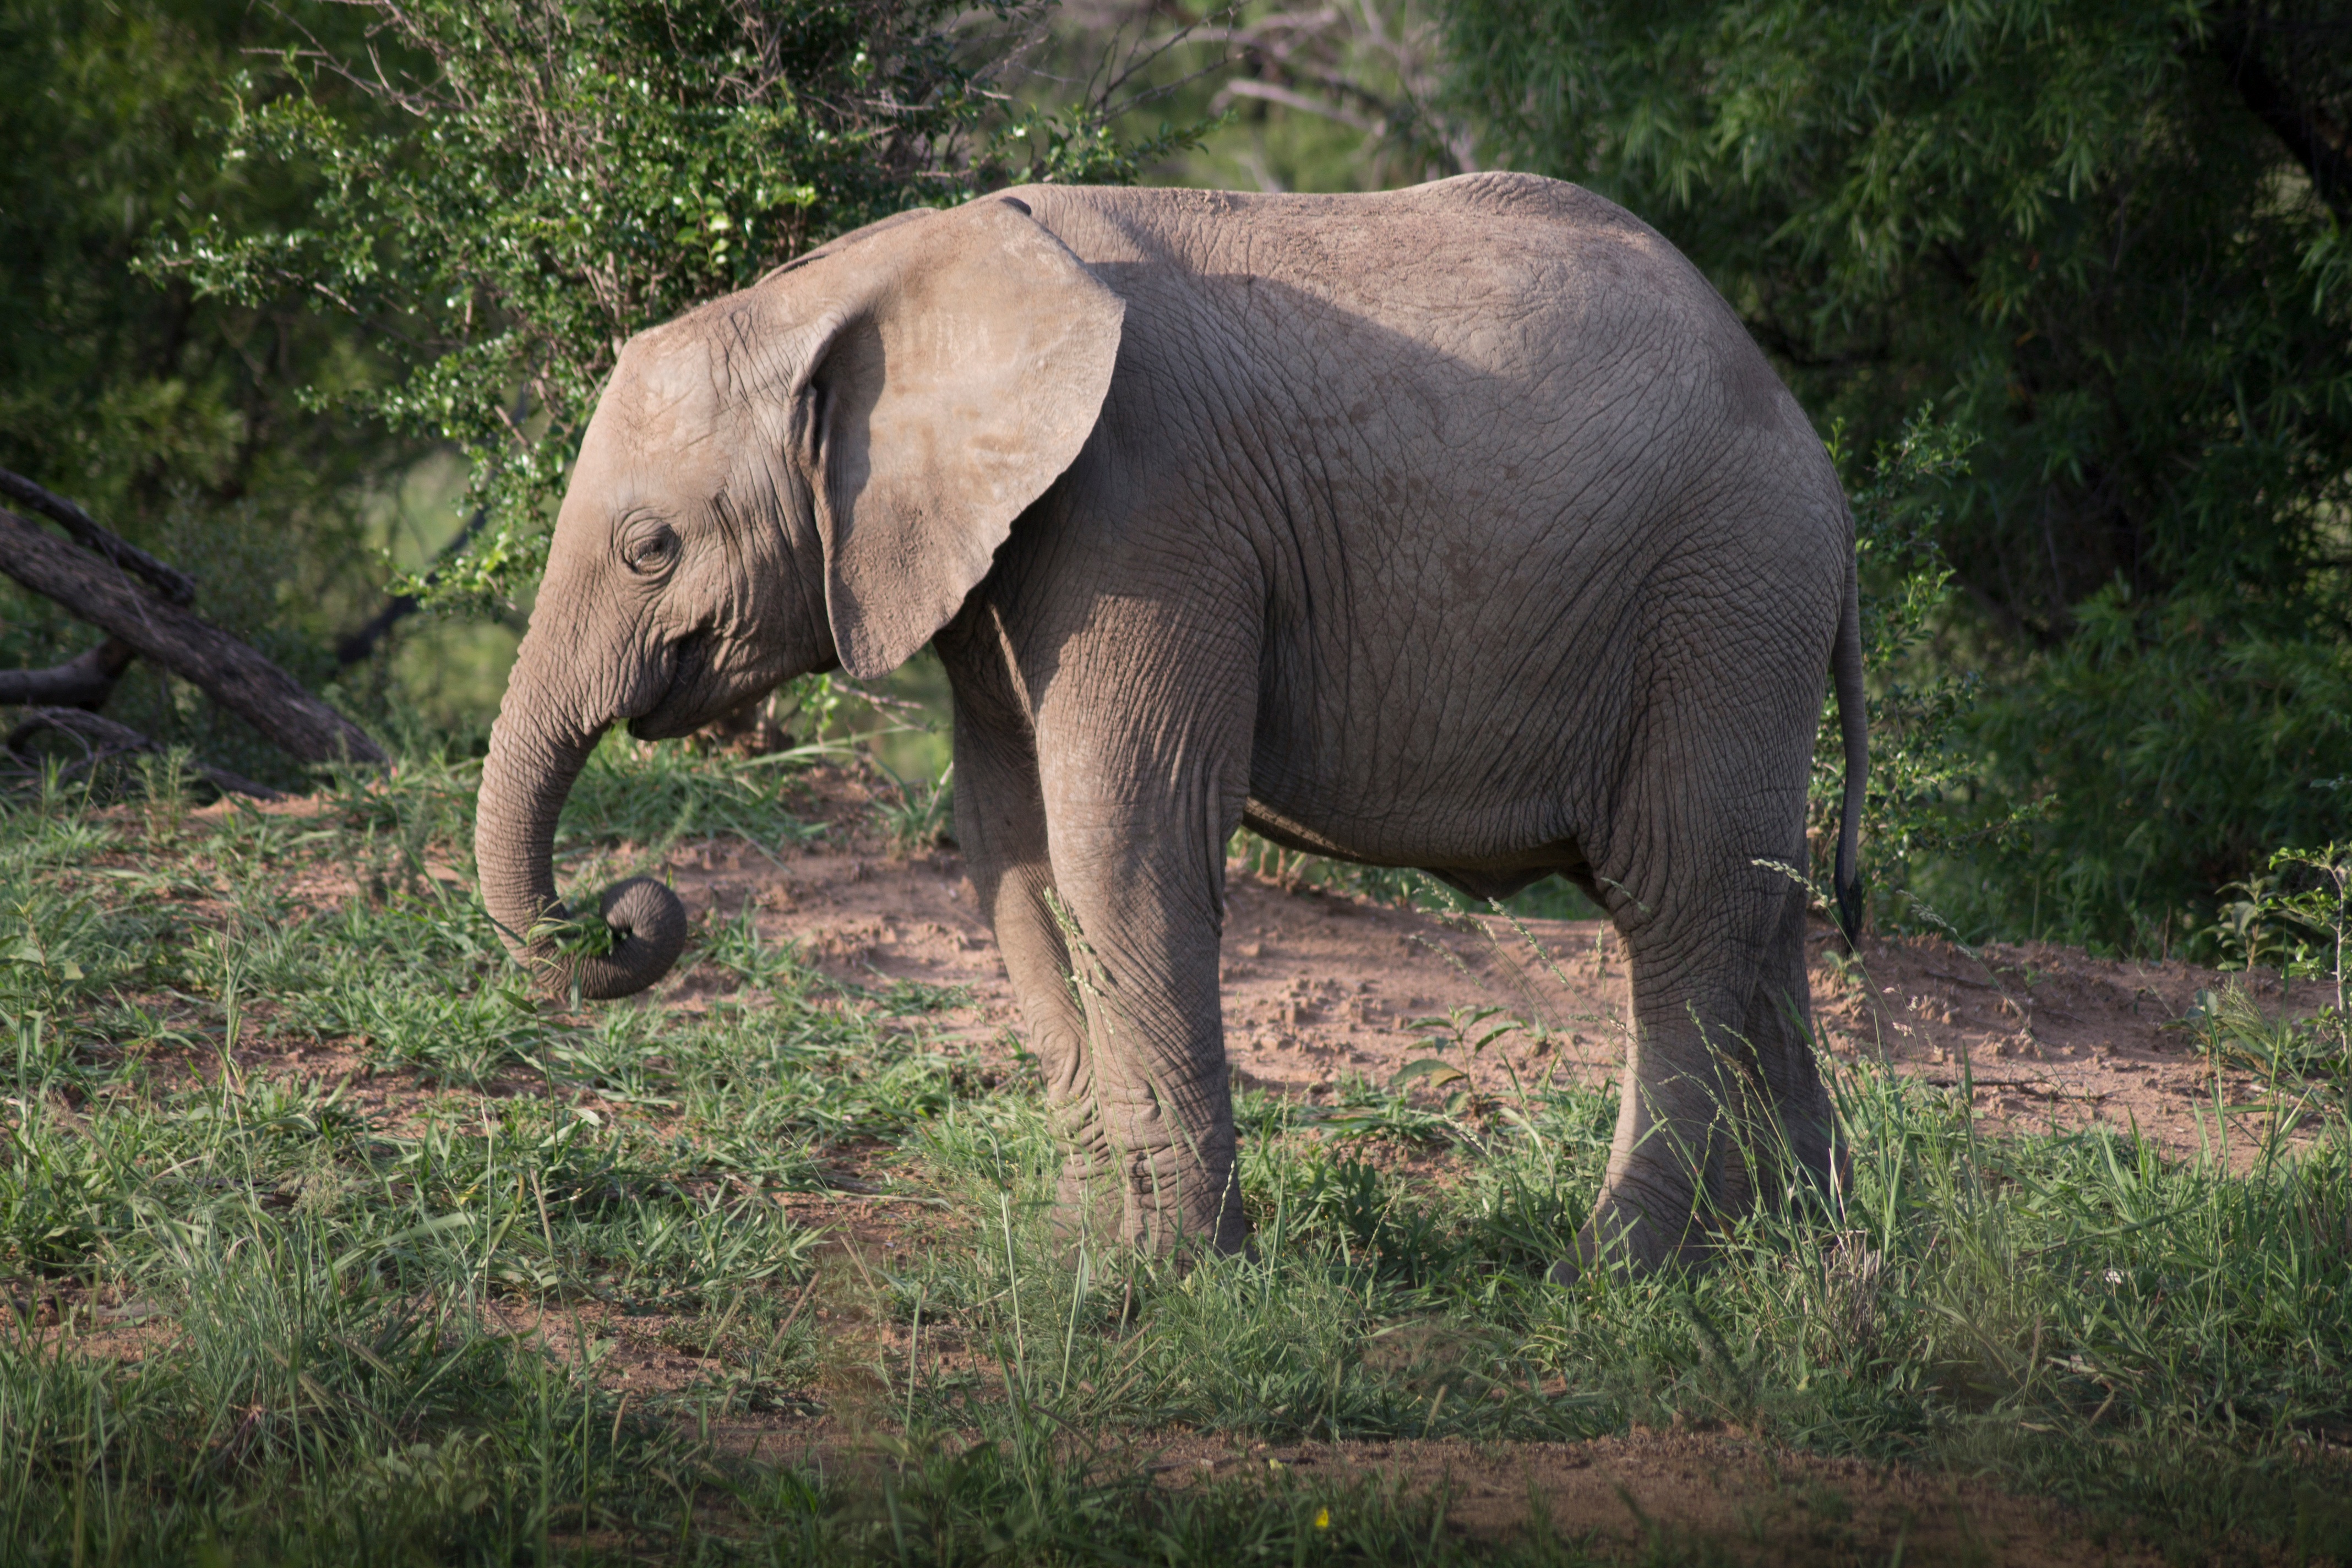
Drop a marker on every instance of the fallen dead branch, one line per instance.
(176, 585)
(86, 680)
(232, 673)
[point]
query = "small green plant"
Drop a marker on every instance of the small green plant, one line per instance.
(1401, 886)
(2295, 917)
(916, 815)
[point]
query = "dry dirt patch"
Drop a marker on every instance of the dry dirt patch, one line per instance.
(1751, 1501)
(1319, 986)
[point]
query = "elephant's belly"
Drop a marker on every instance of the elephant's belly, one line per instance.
(1486, 864)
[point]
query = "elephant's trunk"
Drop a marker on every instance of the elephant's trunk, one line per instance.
(532, 765)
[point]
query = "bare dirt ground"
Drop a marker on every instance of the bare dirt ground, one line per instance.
(1319, 987)
(1735, 1499)
(1761, 1504)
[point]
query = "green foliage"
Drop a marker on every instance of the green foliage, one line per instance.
(134, 400)
(2295, 917)
(917, 815)
(1274, 95)
(175, 418)
(2165, 748)
(2090, 233)
(566, 173)
(1297, 869)
(1922, 766)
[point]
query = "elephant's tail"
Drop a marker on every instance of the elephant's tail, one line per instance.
(1853, 720)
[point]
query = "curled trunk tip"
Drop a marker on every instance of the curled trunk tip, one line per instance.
(646, 927)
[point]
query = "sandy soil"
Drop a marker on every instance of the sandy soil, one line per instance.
(1319, 987)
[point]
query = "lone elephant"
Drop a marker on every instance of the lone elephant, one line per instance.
(1461, 528)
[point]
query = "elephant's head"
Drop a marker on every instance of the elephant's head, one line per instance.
(811, 474)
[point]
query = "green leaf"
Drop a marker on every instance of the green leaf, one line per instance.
(1437, 1073)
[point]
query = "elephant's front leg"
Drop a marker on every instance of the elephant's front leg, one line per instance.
(1000, 823)
(1138, 816)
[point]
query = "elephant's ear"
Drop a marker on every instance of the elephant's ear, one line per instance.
(956, 377)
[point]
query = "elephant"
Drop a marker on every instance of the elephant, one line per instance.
(1461, 527)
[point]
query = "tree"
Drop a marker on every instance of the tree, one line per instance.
(1273, 95)
(2106, 237)
(560, 174)
(180, 420)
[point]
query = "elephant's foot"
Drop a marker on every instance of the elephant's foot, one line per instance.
(1089, 1204)
(1625, 1237)
(1139, 1204)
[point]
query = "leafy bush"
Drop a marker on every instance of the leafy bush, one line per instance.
(2162, 752)
(178, 420)
(1922, 767)
(567, 173)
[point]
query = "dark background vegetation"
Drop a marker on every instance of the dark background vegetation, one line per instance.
(293, 293)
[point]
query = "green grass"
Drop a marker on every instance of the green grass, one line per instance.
(255, 1313)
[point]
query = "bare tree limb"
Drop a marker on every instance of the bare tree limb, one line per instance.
(85, 681)
(2318, 143)
(1269, 92)
(103, 738)
(175, 584)
(234, 675)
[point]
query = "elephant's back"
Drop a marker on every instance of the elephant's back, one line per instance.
(1481, 311)
(1366, 246)
(1438, 261)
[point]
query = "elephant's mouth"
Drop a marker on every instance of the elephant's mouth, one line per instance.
(702, 689)
(693, 695)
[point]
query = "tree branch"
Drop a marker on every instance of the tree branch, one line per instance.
(86, 682)
(2318, 143)
(175, 584)
(234, 675)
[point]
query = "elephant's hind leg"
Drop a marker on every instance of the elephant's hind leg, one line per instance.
(1807, 1162)
(1700, 1111)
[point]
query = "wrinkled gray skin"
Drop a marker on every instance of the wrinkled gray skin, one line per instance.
(1460, 527)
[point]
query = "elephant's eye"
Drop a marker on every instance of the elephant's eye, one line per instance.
(649, 547)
